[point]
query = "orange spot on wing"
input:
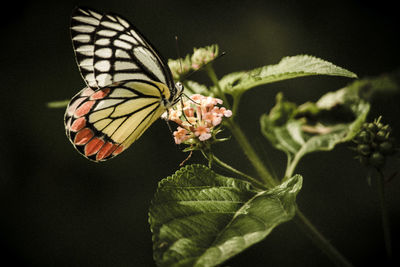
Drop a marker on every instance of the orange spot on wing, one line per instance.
(105, 151)
(93, 146)
(100, 94)
(73, 105)
(83, 136)
(78, 124)
(118, 150)
(84, 109)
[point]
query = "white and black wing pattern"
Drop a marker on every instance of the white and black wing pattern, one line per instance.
(84, 23)
(128, 85)
(121, 53)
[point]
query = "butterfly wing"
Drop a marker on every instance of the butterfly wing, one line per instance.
(102, 123)
(84, 23)
(109, 49)
(128, 82)
(122, 53)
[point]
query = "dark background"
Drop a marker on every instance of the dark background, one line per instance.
(59, 209)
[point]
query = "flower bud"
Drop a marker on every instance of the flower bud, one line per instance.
(364, 137)
(374, 144)
(363, 149)
(377, 160)
(371, 126)
(381, 136)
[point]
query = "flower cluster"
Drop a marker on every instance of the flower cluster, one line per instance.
(199, 58)
(374, 143)
(204, 55)
(198, 118)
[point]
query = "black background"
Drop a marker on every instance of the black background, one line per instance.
(59, 209)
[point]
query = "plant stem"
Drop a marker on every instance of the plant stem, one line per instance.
(240, 137)
(300, 219)
(291, 166)
(233, 170)
(251, 155)
(214, 79)
(270, 182)
(385, 218)
(319, 240)
(58, 104)
(235, 104)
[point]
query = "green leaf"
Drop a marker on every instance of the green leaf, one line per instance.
(201, 218)
(58, 104)
(335, 118)
(288, 68)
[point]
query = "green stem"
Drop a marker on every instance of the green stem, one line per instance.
(251, 155)
(233, 170)
(213, 76)
(292, 164)
(300, 219)
(319, 240)
(240, 137)
(235, 105)
(385, 218)
(270, 182)
(58, 104)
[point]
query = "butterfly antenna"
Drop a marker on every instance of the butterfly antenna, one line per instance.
(177, 52)
(189, 98)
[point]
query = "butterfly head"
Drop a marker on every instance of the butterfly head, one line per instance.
(179, 91)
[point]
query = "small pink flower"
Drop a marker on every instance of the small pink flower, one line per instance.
(174, 115)
(216, 120)
(189, 122)
(197, 118)
(203, 133)
(218, 101)
(180, 135)
(208, 117)
(228, 113)
(209, 102)
(189, 111)
(196, 97)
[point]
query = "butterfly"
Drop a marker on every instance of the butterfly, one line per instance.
(128, 85)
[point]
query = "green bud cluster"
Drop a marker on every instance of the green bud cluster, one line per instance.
(374, 143)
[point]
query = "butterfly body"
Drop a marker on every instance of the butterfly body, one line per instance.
(129, 85)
